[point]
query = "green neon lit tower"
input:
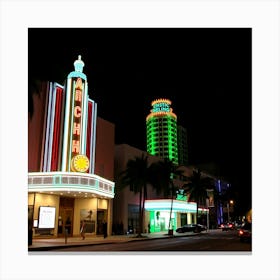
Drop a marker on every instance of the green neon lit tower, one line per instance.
(161, 128)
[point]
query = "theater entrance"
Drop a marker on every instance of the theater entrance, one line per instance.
(65, 217)
(101, 217)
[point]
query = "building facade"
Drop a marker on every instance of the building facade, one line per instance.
(70, 160)
(165, 139)
(161, 128)
(182, 143)
(157, 206)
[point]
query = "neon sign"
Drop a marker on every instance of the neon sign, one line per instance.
(80, 163)
(161, 107)
(77, 117)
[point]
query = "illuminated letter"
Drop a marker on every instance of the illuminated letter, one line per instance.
(75, 146)
(79, 84)
(77, 111)
(78, 95)
(76, 129)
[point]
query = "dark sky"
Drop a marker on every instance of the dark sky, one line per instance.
(205, 72)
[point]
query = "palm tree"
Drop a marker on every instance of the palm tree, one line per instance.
(197, 187)
(33, 89)
(136, 175)
(166, 171)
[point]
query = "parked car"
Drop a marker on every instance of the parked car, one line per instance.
(227, 226)
(245, 232)
(238, 224)
(191, 228)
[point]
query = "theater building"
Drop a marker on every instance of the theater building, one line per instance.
(70, 160)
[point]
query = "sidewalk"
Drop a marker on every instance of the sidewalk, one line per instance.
(44, 244)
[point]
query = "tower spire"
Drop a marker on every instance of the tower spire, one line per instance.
(79, 64)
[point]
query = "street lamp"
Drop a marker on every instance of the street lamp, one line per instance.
(229, 203)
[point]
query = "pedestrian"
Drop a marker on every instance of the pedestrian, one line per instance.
(68, 225)
(105, 229)
(83, 229)
(149, 228)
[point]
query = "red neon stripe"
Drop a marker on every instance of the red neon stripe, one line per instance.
(89, 130)
(56, 130)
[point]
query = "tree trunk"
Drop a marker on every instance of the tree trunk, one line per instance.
(139, 229)
(142, 216)
(169, 229)
(197, 213)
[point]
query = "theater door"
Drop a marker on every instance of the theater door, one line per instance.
(65, 217)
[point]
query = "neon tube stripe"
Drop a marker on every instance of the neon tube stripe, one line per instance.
(84, 120)
(93, 145)
(89, 133)
(52, 120)
(69, 154)
(56, 131)
(45, 166)
(66, 125)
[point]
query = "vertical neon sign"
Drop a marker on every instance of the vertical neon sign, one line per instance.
(74, 145)
(76, 135)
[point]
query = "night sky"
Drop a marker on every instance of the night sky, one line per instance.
(205, 72)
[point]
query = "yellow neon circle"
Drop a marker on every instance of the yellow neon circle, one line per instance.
(80, 163)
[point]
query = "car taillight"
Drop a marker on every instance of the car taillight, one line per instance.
(222, 225)
(241, 232)
(230, 225)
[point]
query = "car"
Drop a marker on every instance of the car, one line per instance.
(238, 224)
(245, 232)
(227, 226)
(191, 228)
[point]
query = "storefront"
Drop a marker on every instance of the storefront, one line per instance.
(58, 202)
(157, 214)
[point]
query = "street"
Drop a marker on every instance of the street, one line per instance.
(212, 241)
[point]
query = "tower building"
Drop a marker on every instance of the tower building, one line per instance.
(182, 145)
(161, 128)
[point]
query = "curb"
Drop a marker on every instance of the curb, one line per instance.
(93, 243)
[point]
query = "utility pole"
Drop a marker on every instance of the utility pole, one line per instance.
(228, 212)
